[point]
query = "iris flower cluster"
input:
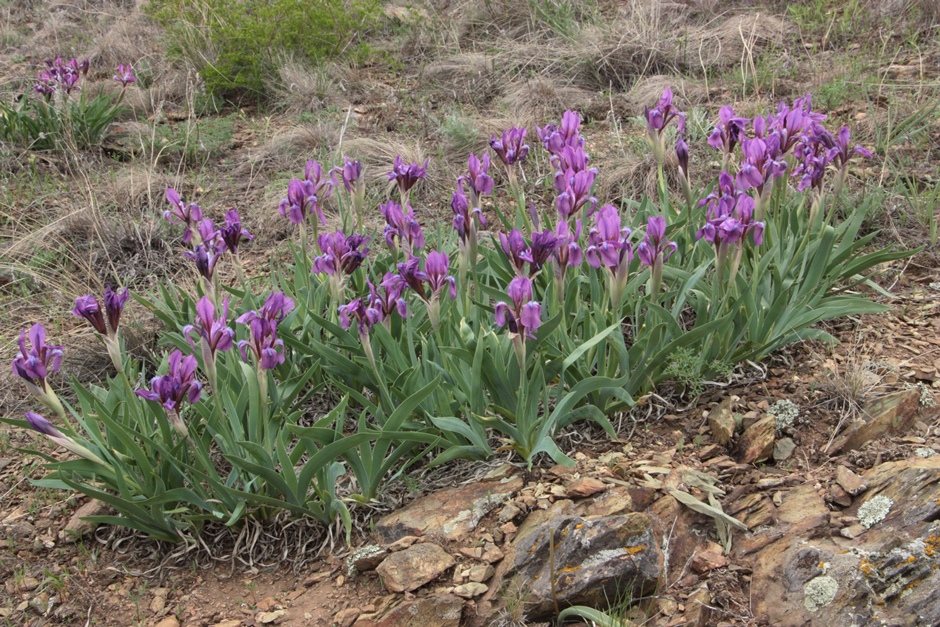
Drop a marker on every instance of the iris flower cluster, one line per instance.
(60, 76)
(792, 141)
(209, 242)
(105, 323)
(177, 385)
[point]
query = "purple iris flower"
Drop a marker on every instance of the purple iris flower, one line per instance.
(436, 267)
(262, 342)
(791, 125)
(114, 305)
(567, 252)
(125, 74)
(45, 85)
(542, 248)
(575, 191)
(403, 226)
(478, 181)
(62, 75)
(741, 223)
(189, 215)
(514, 246)
(207, 256)
(840, 152)
(609, 243)
(37, 363)
(262, 328)
(464, 216)
(319, 179)
(87, 307)
(610, 248)
(733, 226)
(664, 112)
(729, 131)
(682, 154)
(365, 315)
(390, 298)
(762, 164)
(172, 388)
(274, 310)
(352, 174)
(554, 139)
(42, 425)
(511, 148)
(723, 197)
(214, 332)
(571, 158)
(341, 254)
(407, 175)
(813, 161)
(233, 232)
(301, 200)
(522, 316)
(411, 274)
(655, 245)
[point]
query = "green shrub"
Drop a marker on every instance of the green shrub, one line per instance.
(234, 44)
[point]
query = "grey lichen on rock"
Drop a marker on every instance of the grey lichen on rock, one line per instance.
(784, 412)
(820, 592)
(874, 511)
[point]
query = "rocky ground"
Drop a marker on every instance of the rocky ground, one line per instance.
(731, 508)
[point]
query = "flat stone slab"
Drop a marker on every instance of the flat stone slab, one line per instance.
(410, 569)
(894, 413)
(451, 514)
(579, 561)
(437, 610)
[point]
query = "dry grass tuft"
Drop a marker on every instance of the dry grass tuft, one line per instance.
(629, 176)
(289, 151)
(132, 38)
(542, 99)
(921, 14)
(300, 88)
(659, 39)
(647, 91)
(724, 42)
(135, 188)
(464, 78)
(377, 157)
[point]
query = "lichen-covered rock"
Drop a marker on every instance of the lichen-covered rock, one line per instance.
(883, 572)
(721, 422)
(436, 610)
(757, 441)
(415, 566)
(893, 413)
(874, 511)
(451, 514)
(819, 592)
(586, 561)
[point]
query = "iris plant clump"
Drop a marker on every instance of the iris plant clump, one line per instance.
(566, 311)
(60, 116)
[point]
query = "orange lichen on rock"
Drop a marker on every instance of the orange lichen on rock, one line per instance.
(932, 545)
